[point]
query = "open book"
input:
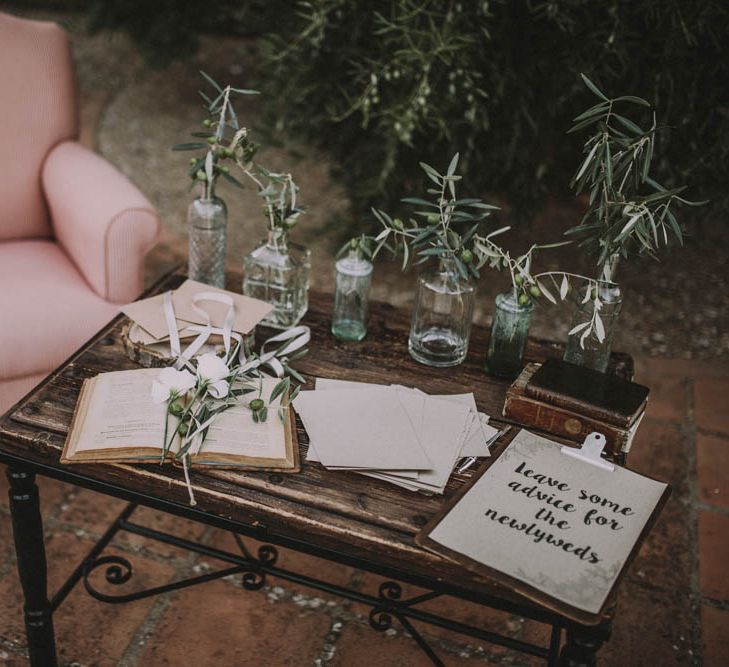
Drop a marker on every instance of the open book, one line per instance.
(117, 421)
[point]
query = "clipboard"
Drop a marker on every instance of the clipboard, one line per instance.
(502, 572)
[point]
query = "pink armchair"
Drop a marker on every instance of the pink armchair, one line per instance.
(73, 230)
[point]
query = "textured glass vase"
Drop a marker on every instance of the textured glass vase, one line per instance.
(207, 218)
(441, 322)
(278, 272)
(509, 331)
(591, 352)
(353, 276)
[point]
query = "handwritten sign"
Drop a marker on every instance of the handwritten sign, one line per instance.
(556, 523)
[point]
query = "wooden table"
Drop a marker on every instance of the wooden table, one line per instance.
(343, 517)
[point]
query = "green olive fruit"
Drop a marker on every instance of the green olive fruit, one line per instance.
(354, 244)
(593, 293)
(223, 169)
(207, 123)
(398, 224)
(466, 256)
(433, 219)
(535, 291)
(176, 408)
(212, 140)
(256, 404)
(519, 280)
(200, 175)
(193, 160)
(183, 428)
(523, 299)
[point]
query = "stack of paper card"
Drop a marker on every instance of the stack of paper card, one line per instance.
(192, 309)
(393, 433)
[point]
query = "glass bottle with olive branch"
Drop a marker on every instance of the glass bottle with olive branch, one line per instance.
(442, 230)
(207, 215)
(628, 213)
(513, 309)
(353, 276)
(277, 271)
(512, 314)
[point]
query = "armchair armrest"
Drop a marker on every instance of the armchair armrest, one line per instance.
(102, 221)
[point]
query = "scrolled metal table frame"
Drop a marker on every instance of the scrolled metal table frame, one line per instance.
(580, 648)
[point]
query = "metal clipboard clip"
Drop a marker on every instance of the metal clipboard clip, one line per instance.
(590, 451)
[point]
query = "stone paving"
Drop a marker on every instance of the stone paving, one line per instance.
(674, 602)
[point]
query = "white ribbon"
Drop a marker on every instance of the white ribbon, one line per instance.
(204, 331)
(298, 337)
(169, 311)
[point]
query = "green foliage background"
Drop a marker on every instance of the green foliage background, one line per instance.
(383, 84)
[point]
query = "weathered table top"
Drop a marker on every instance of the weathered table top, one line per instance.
(342, 514)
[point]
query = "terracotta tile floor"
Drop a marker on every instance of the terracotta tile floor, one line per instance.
(674, 604)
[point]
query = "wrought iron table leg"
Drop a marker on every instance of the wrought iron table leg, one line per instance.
(31, 554)
(582, 645)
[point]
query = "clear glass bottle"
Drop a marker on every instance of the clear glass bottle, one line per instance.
(591, 352)
(207, 218)
(509, 331)
(441, 322)
(278, 272)
(353, 276)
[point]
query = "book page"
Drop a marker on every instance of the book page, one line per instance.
(560, 525)
(121, 413)
(235, 433)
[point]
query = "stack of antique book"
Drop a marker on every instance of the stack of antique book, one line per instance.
(572, 401)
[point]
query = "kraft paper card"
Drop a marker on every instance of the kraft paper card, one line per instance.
(346, 434)
(479, 434)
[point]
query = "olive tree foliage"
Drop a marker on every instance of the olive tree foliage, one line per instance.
(385, 84)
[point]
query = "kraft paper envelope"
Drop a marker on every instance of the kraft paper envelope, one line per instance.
(141, 335)
(361, 429)
(248, 311)
(149, 313)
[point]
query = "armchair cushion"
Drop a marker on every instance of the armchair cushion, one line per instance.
(38, 110)
(11, 391)
(100, 219)
(47, 309)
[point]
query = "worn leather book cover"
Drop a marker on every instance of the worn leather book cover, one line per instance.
(562, 422)
(607, 398)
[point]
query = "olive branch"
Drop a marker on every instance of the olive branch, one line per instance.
(628, 210)
(225, 140)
